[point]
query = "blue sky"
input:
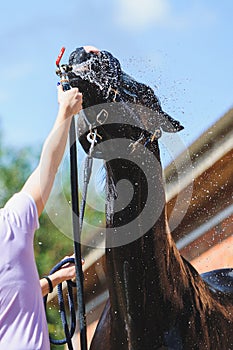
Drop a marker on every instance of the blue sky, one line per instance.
(183, 49)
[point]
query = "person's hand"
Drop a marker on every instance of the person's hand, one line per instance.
(70, 101)
(93, 49)
(67, 271)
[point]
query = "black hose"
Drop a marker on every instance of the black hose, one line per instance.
(68, 332)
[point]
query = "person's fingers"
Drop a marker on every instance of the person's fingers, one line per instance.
(71, 264)
(59, 86)
(89, 48)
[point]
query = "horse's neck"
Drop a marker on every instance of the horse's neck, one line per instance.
(149, 262)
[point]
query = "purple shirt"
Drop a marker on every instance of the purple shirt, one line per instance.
(23, 323)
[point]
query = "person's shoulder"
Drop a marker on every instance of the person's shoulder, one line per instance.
(22, 205)
(20, 198)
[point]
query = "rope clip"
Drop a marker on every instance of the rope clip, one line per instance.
(156, 135)
(92, 139)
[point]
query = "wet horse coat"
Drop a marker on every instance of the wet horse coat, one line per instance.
(157, 299)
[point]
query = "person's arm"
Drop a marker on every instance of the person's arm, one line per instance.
(40, 183)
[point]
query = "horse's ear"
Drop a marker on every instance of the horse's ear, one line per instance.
(169, 124)
(165, 121)
(145, 96)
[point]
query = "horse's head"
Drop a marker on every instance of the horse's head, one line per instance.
(115, 104)
(96, 73)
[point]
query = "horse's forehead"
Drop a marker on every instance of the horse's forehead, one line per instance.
(104, 59)
(78, 56)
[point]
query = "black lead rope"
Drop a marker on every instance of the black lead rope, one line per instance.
(87, 175)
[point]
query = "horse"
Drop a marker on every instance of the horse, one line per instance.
(157, 300)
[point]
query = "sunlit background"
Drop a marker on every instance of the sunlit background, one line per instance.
(183, 49)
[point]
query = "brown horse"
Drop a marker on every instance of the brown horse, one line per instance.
(157, 299)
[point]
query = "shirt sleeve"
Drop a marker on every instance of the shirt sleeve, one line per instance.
(22, 208)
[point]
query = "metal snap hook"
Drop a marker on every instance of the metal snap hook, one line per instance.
(91, 137)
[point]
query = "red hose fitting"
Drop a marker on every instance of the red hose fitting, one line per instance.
(60, 56)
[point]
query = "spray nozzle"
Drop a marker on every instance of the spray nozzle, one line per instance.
(64, 68)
